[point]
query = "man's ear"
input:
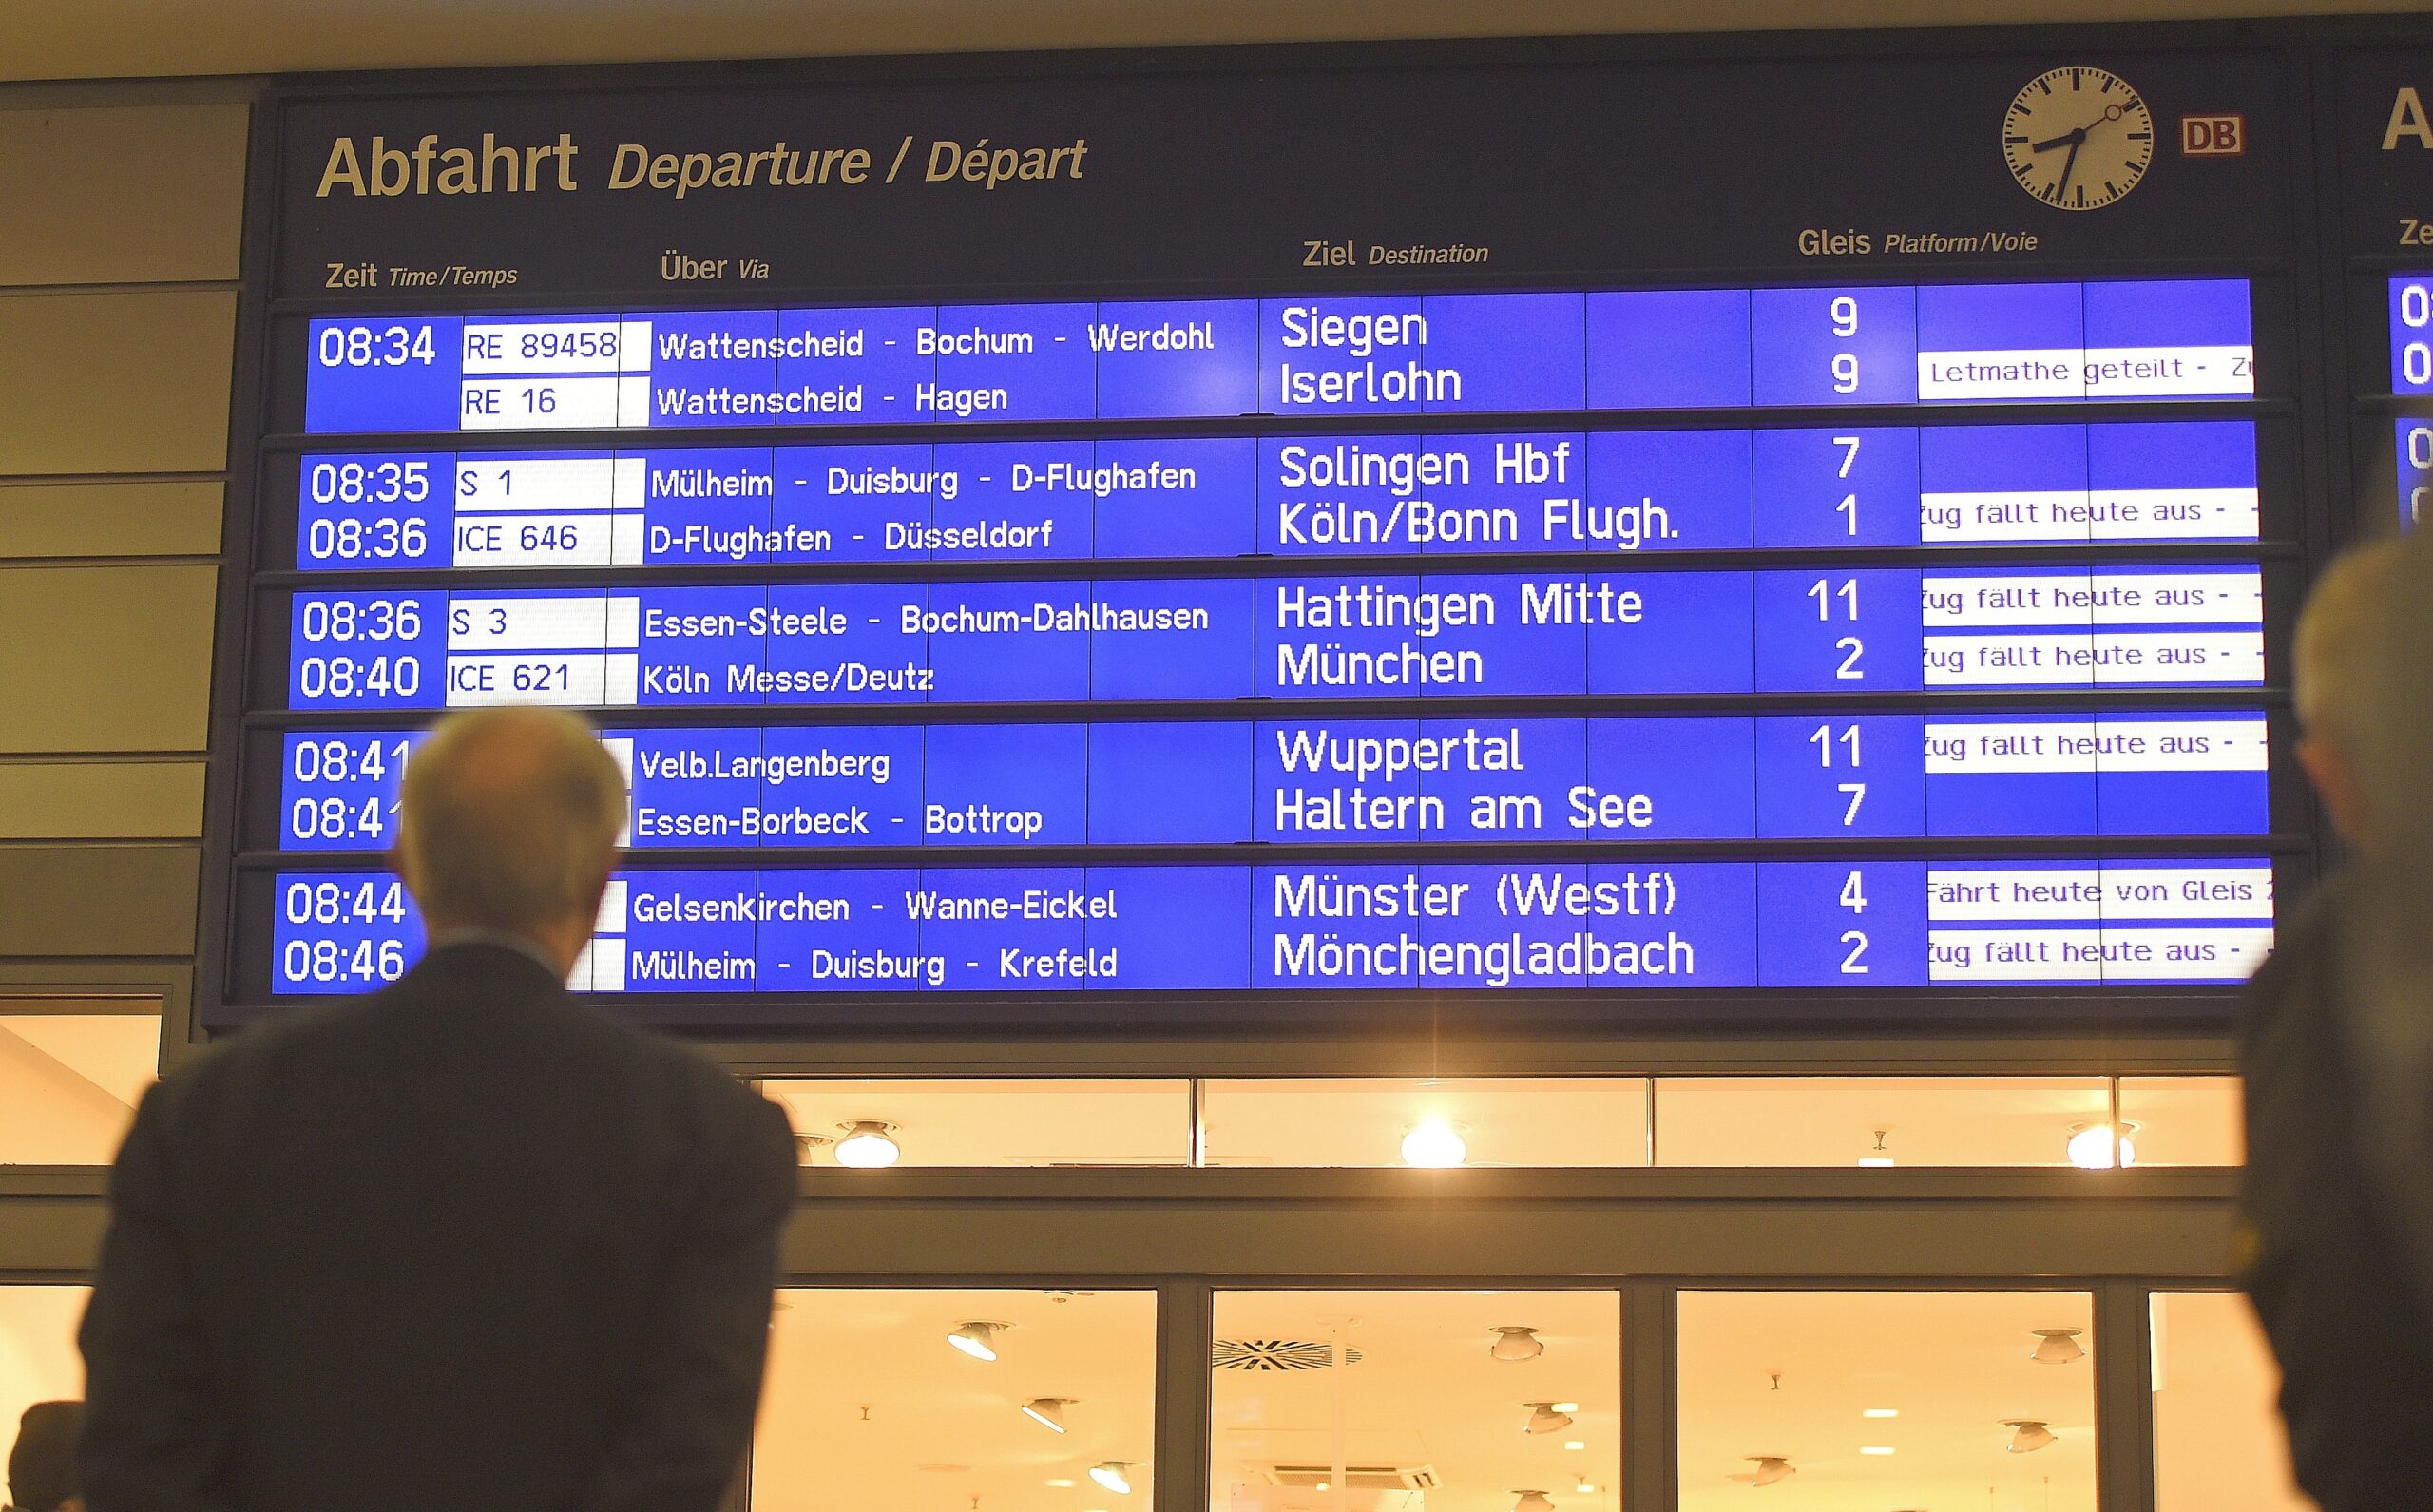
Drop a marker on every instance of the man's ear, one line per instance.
(2335, 780)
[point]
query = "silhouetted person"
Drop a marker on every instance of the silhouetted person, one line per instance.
(41, 1466)
(460, 1245)
(2337, 1048)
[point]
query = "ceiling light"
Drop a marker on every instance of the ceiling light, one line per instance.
(979, 1340)
(1511, 1344)
(1879, 1156)
(2092, 1146)
(2060, 1347)
(1325, 1485)
(1565, 1407)
(2031, 1435)
(1063, 1483)
(1575, 1444)
(1584, 1488)
(1533, 1501)
(1047, 1411)
(1878, 1449)
(867, 1146)
(1880, 1412)
(1772, 1468)
(1435, 1145)
(1109, 1473)
(1546, 1417)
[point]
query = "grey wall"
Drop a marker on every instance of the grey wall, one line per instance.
(120, 217)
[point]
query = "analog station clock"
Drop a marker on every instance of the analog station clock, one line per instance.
(2078, 139)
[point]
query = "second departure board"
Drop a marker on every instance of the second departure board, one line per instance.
(1279, 538)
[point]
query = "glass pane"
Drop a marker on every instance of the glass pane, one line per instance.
(1510, 1121)
(1869, 1121)
(877, 1399)
(1408, 1400)
(999, 1122)
(38, 1358)
(2219, 1440)
(2184, 1120)
(70, 1082)
(1870, 1399)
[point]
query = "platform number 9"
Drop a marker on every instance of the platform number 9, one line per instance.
(1845, 324)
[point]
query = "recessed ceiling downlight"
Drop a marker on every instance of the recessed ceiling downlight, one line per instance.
(1546, 1417)
(1772, 1470)
(2101, 1146)
(1435, 1145)
(1514, 1344)
(868, 1145)
(2028, 1435)
(1047, 1411)
(2060, 1346)
(979, 1340)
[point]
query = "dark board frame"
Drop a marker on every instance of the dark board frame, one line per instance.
(2318, 412)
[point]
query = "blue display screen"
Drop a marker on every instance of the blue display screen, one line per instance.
(1322, 355)
(1648, 777)
(1228, 497)
(1498, 924)
(1339, 637)
(1279, 644)
(2411, 352)
(2414, 438)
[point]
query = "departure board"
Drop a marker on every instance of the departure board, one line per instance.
(2387, 156)
(1285, 540)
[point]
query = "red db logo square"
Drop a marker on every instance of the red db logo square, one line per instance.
(2212, 136)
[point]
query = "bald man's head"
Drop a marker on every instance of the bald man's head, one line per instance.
(2363, 646)
(510, 822)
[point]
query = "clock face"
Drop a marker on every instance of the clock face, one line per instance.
(2078, 139)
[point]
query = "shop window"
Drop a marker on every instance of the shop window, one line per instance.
(981, 1121)
(1889, 1399)
(1398, 1401)
(1875, 1121)
(2219, 1440)
(2184, 1120)
(957, 1399)
(38, 1358)
(1382, 1121)
(69, 1080)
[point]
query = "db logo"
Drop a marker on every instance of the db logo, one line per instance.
(2212, 136)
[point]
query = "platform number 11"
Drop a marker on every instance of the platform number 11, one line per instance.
(1849, 645)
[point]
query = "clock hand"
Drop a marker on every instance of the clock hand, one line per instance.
(2072, 139)
(2067, 163)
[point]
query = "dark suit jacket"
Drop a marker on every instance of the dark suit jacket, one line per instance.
(2323, 1254)
(463, 1244)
